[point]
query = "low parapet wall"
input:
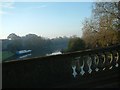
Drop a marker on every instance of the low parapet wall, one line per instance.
(51, 71)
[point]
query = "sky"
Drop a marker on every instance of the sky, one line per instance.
(46, 19)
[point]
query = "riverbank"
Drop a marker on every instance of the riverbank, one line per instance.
(5, 55)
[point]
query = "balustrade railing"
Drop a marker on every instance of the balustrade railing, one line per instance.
(94, 62)
(50, 70)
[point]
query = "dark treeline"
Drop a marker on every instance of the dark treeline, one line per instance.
(41, 46)
(36, 43)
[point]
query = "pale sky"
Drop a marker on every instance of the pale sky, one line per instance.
(47, 19)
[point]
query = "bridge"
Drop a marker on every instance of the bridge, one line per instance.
(93, 68)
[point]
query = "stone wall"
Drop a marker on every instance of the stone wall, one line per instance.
(57, 69)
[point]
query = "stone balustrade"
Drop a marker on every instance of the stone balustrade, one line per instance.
(51, 71)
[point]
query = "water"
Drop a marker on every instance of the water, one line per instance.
(25, 56)
(31, 55)
(54, 53)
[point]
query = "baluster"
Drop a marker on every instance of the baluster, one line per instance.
(97, 62)
(89, 63)
(74, 71)
(110, 60)
(113, 63)
(86, 67)
(77, 65)
(104, 59)
(107, 64)
(101, 61)
(81, 66)
(93, 65)
(115, 59)
(118, 57)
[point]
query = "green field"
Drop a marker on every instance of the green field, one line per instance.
(5, 54)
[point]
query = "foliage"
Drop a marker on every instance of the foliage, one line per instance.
(75, 44)
(35, 43)
(13, 36)
(102, 29)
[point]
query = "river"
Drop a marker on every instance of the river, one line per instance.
(31, 55)
(54, 53)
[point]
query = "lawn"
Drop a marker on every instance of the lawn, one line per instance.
(5, 54)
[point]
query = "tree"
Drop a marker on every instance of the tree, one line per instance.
(13, 36)
(33, 41)
(110, 10)
(16, 42)
(90, 30)
(75, 44)
(102, 29)
(108, 13)
(106, 8)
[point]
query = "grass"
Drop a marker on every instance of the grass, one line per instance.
(5, 54)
